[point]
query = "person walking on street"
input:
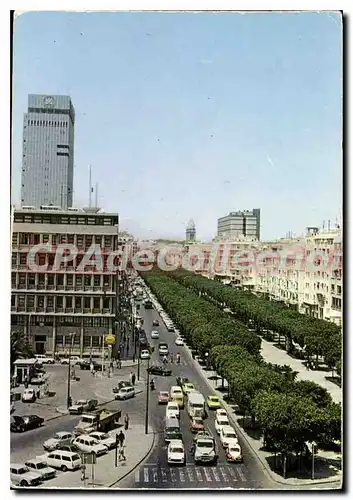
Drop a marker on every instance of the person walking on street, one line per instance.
(133, 379)
(26, 382)
(91, 367)
(121, 438)
(122, 454)
(126, 422)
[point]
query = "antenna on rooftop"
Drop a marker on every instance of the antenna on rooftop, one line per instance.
(90, 187)
(96, 194)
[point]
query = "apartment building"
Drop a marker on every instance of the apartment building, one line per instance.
(49, 304)
(241, 223)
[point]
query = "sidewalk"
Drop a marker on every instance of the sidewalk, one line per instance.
(106, 475)
(327, 464)
(272, 354)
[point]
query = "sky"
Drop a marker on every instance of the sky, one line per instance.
(186, 115)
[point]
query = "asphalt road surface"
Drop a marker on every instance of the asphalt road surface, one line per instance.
(155, 473)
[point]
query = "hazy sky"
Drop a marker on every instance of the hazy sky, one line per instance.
(193, 115)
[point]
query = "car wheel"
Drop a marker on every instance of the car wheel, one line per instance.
(63, 468)
(23, 483)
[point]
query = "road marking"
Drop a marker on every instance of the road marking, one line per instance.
(137, 476)
(145, 475)
(164, 475)
(182, 476)
(232, 474)
(216, 476)
(173, 476)
(240, 472)
(198, 474)
(190, 475)
(155, 475)
(223, 474)
(207, 475)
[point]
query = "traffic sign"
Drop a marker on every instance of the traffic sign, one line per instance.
(110, 339)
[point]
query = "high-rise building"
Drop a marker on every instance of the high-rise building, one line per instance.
(190, 233)
(48, 151)
(240, 223)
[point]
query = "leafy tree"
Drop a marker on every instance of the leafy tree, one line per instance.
(308, 389)
(20, 348)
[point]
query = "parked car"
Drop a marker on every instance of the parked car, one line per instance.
(179, 341)
(75, 360)
(40, 466)
(39, 379)
(64, 460)
(20, 475)
(25, 423)
(68, 447)
(29, 396)
(58, 439)
(105, 439)
(196, 424)
(87, 444)
(154, 334)
(155, 322)
(159, 370)
(213, 402)
(43, 358)
(125, 393)
(163, 398)
(83, 405)
(227, 435)
(176, 452)
(233, 452)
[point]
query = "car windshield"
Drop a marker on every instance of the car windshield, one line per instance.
(57, 436)
(164, 394)
(205, 444)
(198, 421)
(235, 449)
(214, 399)
(229, 434)
(177, 450)
(103, 436)
(75, 457)
(41, 465)
(223, 421)
(86, 420)
(22, 470)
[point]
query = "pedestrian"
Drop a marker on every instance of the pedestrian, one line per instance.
(38, 394)
(122, 454)
(133, 379)
(83, 472)
(121, 438)
(91, 367)
(126, 422)
(26, 381)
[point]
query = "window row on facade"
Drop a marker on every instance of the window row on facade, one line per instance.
(64, 281)
(80, 240)
(34, 320)
(60, 303)
(74, 219)
(47, 123)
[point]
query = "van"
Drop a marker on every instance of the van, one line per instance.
(64, 460)
(126, 392)
(196, 405)
(172, 429)
(176, 394)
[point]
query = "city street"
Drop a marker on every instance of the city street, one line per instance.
(156, 473)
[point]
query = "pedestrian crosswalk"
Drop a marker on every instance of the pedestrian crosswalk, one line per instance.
(190, 474)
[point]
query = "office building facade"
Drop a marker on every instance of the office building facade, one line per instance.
(48, 151)
(48, 303)
(241, 223)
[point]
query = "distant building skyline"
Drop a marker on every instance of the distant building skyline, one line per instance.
(48, 151)
(240, 223)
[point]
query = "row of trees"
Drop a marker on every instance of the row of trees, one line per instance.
(204, 325)
(289, 412)
(320, 338)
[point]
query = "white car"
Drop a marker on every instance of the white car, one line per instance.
(221, 412)
(59, 438)
(172, 410)
(126, 392)
(163, 350)
(29, 396)
(221, 421)
(176, 452)
(42, 358)
(227, 435)
(179, 341)
(145, 354)
(40, 466)
(87, 444)
(75, 360)
(20, 475)
(154, 334)
(233, 452)
(105, 439)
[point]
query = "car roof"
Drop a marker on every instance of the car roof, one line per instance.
(36, 460)
(221, 411)
(62, 433)
(17, 466)
(65, 453)
(176, 442)
(228, 428)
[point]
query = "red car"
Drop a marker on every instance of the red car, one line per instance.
(163, 398)
(196, 424)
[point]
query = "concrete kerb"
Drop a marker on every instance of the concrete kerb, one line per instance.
(137, 464)
(245, 437)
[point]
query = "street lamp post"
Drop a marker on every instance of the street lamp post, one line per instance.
(138, 359)
(72, 335)
(147, 395)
